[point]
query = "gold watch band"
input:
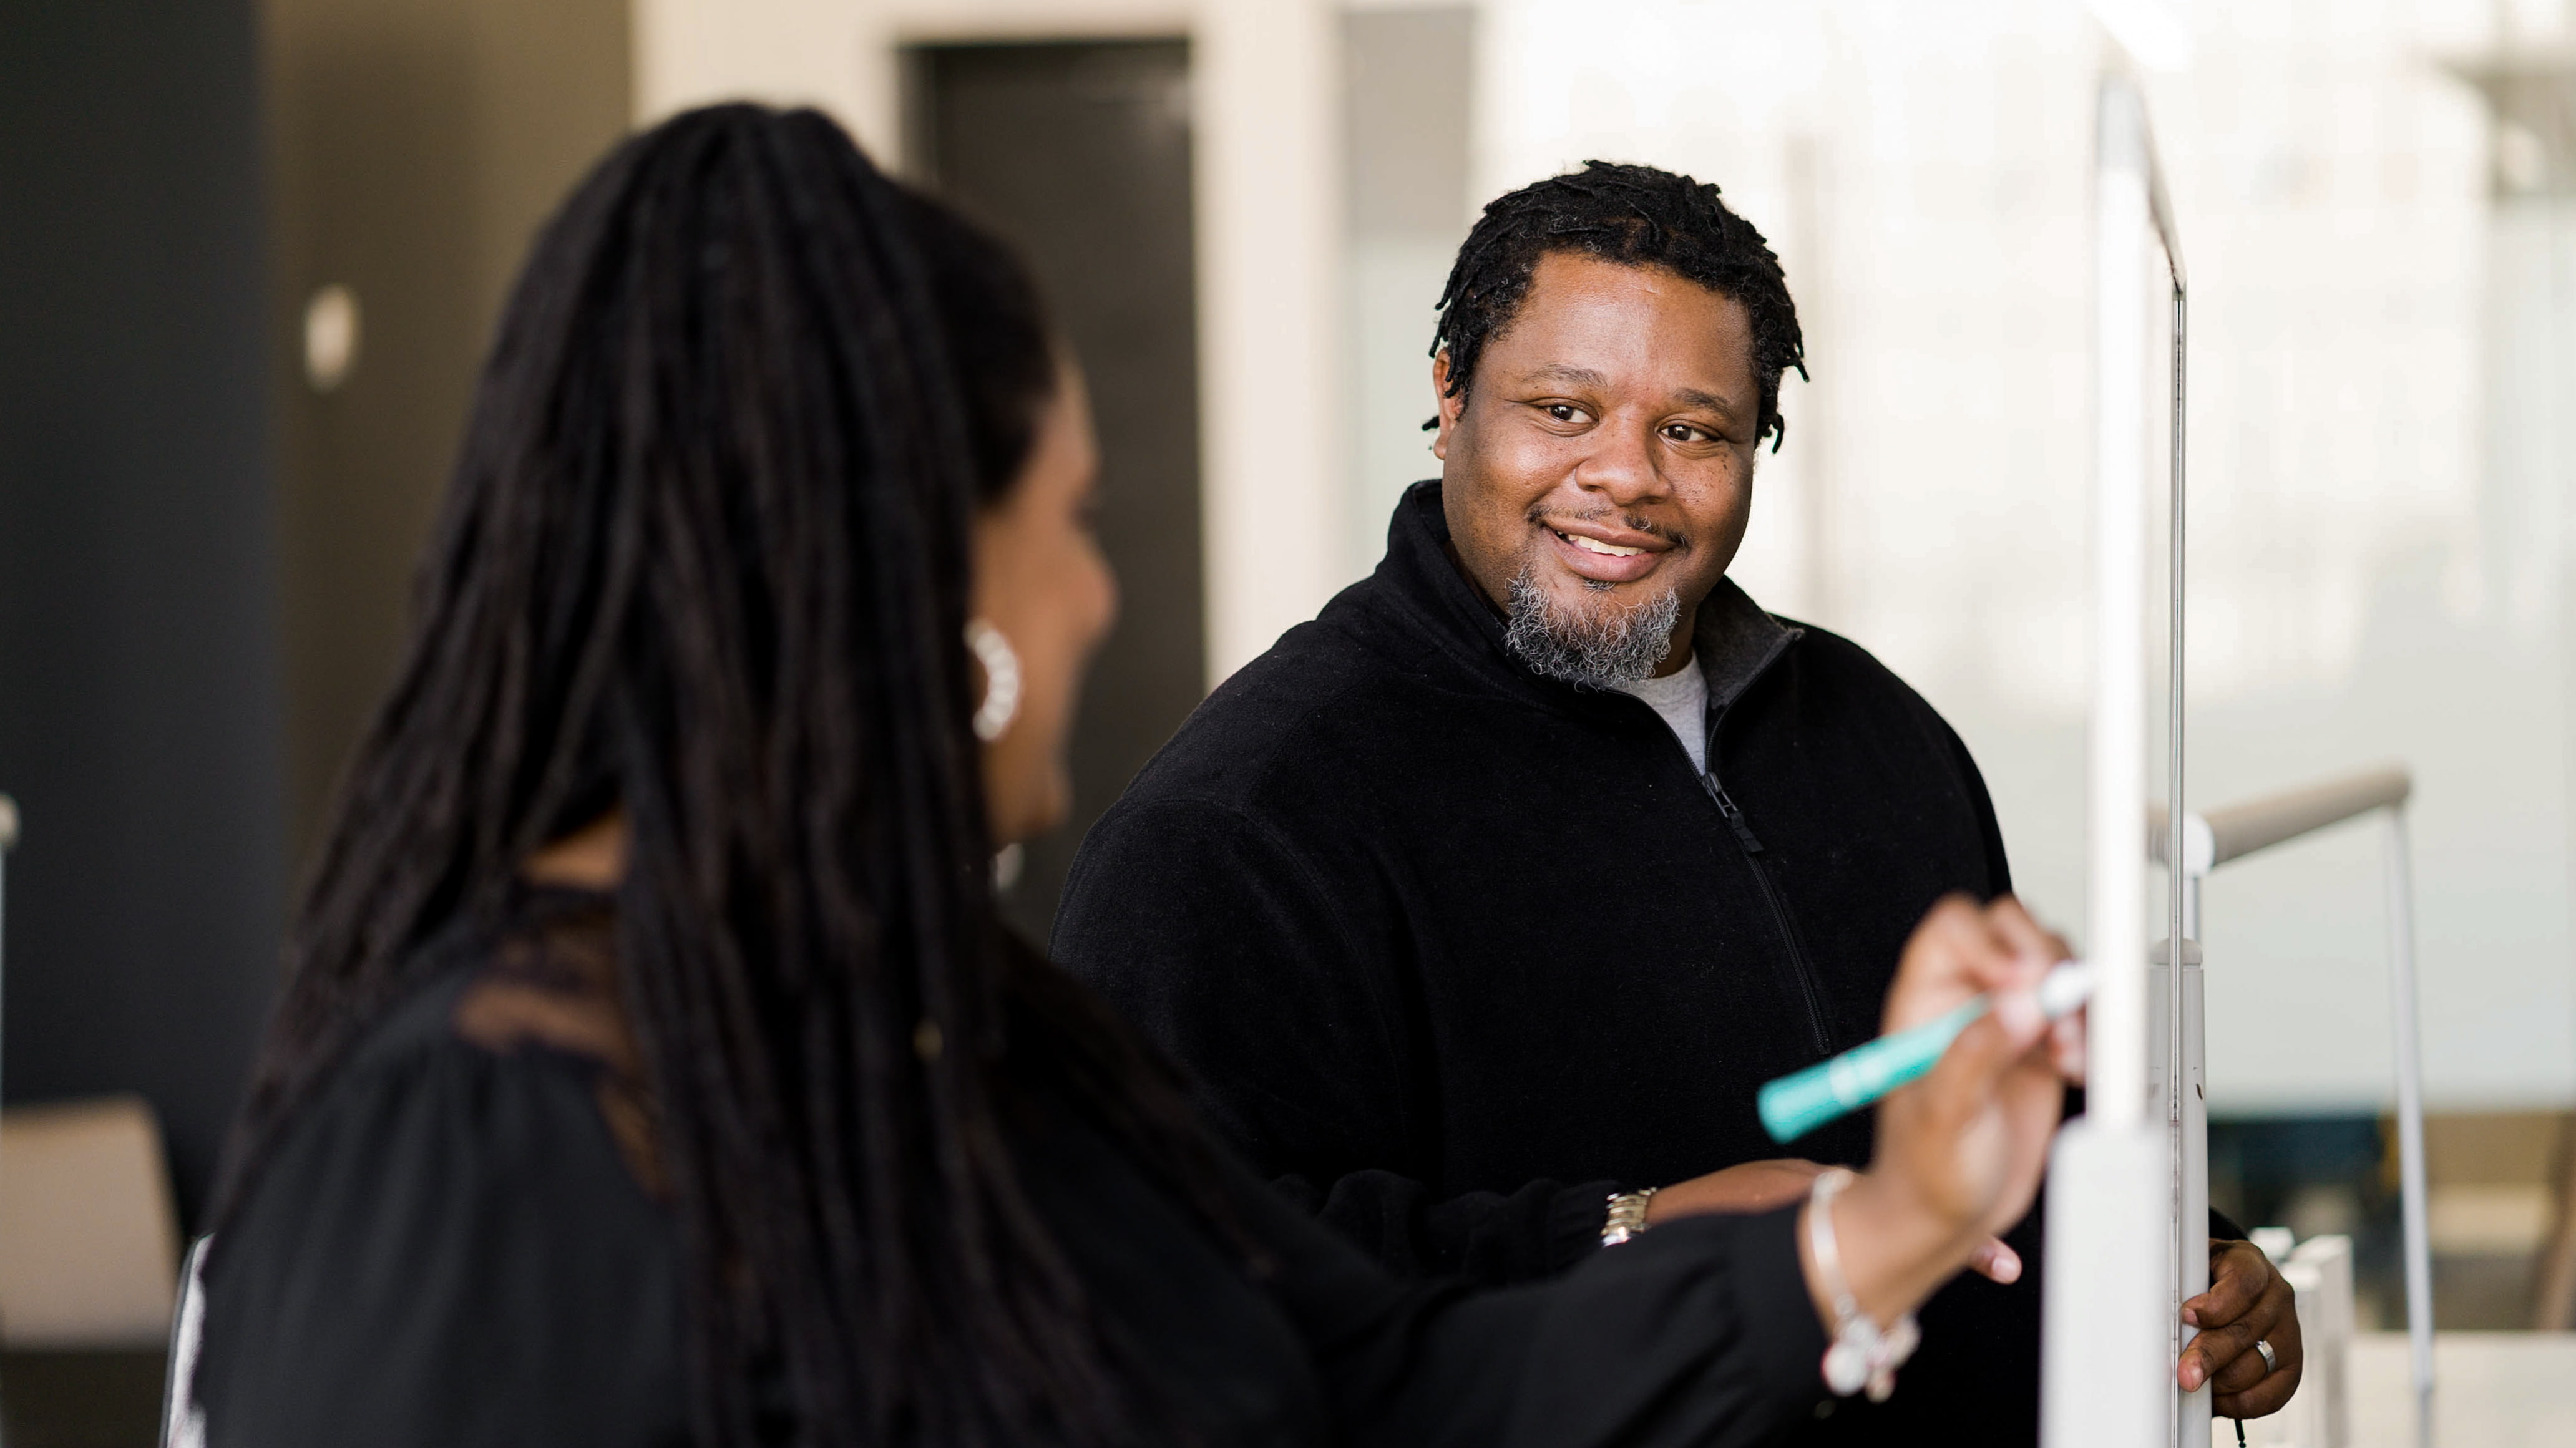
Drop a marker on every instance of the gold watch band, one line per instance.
(1627, 1217)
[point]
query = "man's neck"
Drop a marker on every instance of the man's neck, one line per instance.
(1678, 657)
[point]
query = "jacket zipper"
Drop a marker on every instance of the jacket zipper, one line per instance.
(1780, 920)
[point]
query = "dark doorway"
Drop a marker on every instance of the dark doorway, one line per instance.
(139, 693)
(1079, 154)
(414, 148)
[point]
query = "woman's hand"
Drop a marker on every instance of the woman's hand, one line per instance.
(1959, 1152)
(1762, 1186)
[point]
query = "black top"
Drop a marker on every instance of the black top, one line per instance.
(1455, 950)
(449, 1247)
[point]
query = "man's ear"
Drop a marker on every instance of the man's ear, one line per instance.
(1450, 407)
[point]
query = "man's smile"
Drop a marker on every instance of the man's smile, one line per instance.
(1603, 553)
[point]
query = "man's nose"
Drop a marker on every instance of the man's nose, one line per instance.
(1621, 468)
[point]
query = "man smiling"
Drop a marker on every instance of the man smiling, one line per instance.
(1481, 906)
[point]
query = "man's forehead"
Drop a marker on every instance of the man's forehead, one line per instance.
(1570, 268)
(1567, 285)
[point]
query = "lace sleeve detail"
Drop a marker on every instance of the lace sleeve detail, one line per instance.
(552, 982)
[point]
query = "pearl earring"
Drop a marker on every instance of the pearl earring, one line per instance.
(1001, 702)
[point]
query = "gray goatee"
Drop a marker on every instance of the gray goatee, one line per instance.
(1603, 647)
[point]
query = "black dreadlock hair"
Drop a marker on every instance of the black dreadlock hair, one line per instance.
(1636, 215)
(704, 559)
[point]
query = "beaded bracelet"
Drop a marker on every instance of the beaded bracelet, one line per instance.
(1861, 1355)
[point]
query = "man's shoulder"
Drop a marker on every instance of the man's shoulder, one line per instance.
(1282, 761)
(1310, 703)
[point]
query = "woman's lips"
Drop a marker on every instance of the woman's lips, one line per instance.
(1602, 560)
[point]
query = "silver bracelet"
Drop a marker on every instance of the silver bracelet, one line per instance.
(1627, 1216)
(1861, 1354)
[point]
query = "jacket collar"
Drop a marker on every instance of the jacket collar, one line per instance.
(1733, 639)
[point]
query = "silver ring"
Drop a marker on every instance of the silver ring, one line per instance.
(2271, 1364)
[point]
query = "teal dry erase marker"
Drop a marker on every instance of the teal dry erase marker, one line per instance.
(1799, 1103)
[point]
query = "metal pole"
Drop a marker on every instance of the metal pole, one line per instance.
(2116, 928)
(2221, 835)
(2182, 980)
(2104, 1379)
(2195, 1411)
(2410, 1122)
(2238, 830)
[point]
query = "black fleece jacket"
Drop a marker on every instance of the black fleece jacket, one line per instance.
(1454, 950)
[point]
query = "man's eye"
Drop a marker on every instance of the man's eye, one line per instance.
(1561, 411)
(1684, 432)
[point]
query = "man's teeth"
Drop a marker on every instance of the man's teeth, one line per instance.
(1595, 545)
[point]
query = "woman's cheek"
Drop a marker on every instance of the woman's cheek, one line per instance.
(1104, 593)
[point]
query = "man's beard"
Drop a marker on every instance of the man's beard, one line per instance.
(1606, 647)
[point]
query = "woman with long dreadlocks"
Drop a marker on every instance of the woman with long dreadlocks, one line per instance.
(654, 1068)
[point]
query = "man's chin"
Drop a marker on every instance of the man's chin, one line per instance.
(1592, 638)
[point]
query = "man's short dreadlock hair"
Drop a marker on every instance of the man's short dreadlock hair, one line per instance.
(1635, 215)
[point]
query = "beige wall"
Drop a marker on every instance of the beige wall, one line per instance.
(414, 148)
(1265, 111)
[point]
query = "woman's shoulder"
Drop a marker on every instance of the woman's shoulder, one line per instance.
(448, 1242)
(510, 1056)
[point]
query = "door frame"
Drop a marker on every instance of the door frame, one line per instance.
(1267, 185)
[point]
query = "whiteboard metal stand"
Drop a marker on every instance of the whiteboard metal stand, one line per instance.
(2106, 1377)
(2203, 842)
(2129, 1198)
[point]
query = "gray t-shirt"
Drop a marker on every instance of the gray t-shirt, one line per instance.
(1682, 698)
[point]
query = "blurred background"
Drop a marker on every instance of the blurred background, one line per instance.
(251, 250)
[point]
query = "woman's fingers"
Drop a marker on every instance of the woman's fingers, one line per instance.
(2034, 950)
(1969, 1140)
(1996, 1262)
(1961, 949)
(2030, 942)
(2066, 1046)
(1950, 957)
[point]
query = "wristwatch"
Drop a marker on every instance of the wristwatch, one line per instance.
(1627, 1216)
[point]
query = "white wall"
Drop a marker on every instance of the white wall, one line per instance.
(1408, 127)
(1265, 98)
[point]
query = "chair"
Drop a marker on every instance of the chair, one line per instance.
(88, 1232)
